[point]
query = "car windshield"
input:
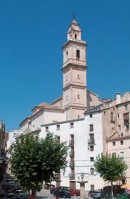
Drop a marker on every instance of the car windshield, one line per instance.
(97, 192)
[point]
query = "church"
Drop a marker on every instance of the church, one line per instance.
(66, 116)
(76, 98)
(88, 124)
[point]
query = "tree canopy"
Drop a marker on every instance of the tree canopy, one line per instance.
(110, 167)
(34, 160)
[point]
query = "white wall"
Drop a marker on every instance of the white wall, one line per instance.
(82, 153)
(11, 137)
(42, 117)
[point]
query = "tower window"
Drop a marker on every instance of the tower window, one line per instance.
(78, 96)
(78, 54)
(66, 52)
(75, 36)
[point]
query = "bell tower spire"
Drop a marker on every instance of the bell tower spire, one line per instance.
(74, 73)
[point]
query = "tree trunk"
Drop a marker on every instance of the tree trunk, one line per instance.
(112, 195)
(33, 194)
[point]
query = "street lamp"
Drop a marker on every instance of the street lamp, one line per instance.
(82, 184)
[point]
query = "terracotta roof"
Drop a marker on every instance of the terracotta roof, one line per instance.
(40, 105)
(45, 105)
(56, 100)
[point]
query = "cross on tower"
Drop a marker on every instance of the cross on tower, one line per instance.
(74, 15)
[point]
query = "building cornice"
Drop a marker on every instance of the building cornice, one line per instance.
(62, 122)
(118, 138)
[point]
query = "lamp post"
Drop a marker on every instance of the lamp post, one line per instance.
(82, 185)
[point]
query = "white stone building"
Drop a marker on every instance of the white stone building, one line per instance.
(85, 140)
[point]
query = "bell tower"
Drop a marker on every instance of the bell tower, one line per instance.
(74, 73)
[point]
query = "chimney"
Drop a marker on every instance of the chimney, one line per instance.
(118, 98)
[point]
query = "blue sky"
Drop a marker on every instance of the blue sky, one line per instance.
(32, 33)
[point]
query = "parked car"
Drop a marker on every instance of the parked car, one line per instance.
(90, 193)
(62, 193)
(21, 194)
(97, 194)
(9, 195)
(74, 192)
(53, 189)
(64, 188)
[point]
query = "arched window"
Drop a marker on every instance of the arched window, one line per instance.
(78, 54)
(75, 36)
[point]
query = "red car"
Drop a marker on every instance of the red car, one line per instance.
(75, 192)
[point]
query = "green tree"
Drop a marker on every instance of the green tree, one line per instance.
(110, 167)
(34, 160)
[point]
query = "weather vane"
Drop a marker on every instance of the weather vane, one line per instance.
(74, 15)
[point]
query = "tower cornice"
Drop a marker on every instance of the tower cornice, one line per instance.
(71, 41)
(76, 107)
(74, 86)
(68, 65)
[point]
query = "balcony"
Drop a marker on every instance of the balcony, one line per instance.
(71, 165)
(71, 143)
(75, 61)
(72, 176)
(71, 153)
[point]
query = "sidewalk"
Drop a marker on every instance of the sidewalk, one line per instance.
(44, 193)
